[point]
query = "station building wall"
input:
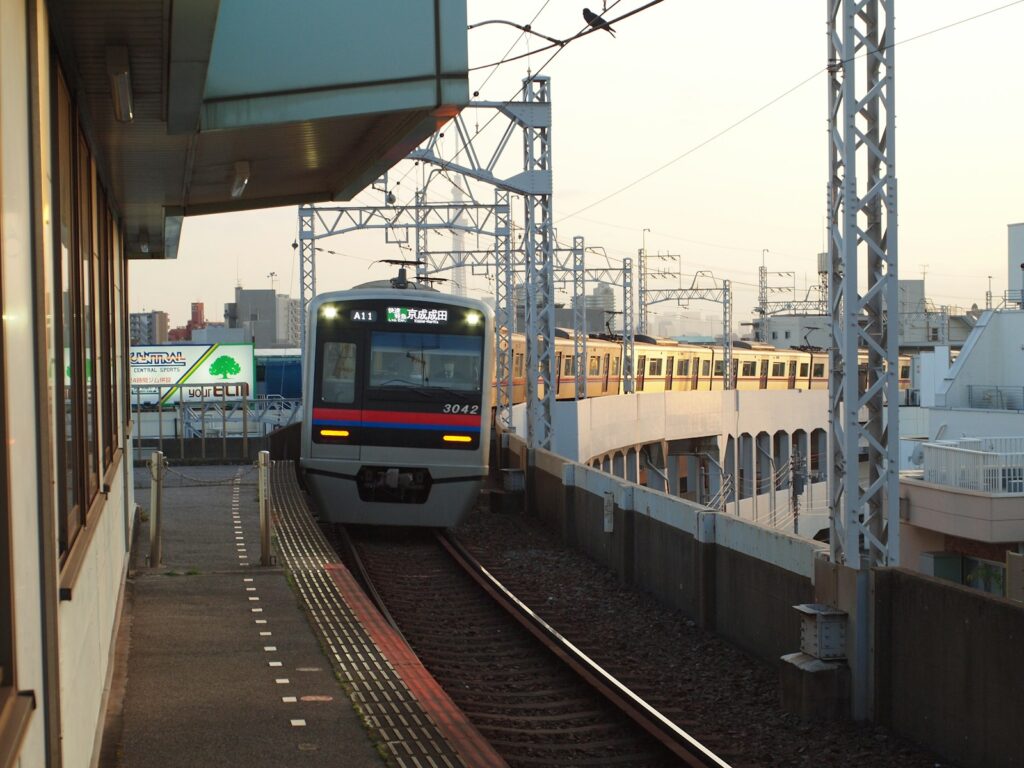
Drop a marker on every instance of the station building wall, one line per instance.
(64, 491)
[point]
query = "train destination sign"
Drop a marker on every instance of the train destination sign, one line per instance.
(170, 373)
(413, 316)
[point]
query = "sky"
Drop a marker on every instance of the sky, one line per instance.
(672, 89)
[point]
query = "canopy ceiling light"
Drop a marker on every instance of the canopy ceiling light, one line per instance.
(241, 178)
(120, 83)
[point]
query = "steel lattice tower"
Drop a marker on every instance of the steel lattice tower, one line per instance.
(863, 252)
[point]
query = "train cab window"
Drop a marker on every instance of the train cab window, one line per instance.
(803, 370)
(683, 367)
(778, 369)
(417, 360)
(655, 368)
(594, 368)
(705, 369)
(749, 368)
(338, 381)
(818, 371)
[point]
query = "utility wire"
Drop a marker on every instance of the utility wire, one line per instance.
(781, 96)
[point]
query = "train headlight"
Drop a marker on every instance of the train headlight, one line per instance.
(329, 312)
(473, 318)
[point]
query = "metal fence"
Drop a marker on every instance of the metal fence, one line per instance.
(988, 464)
(995, 398)
(206, 428)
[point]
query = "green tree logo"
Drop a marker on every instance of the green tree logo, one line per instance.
(225, 366)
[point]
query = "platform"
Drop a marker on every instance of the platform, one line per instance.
(223, 662)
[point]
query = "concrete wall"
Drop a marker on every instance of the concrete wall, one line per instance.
(984, 359)
(949, 668)
(734, 577)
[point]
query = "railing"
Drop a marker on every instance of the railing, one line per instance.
(206, 428)
(995, 398)
(988, 464)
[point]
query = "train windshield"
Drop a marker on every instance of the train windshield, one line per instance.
(426, 360)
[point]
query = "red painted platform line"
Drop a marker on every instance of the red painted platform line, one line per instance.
(463, 736)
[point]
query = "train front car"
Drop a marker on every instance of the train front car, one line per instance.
(397, 406)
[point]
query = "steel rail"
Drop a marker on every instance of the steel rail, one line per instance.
(667, 733)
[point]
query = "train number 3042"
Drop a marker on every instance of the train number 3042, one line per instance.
(460, 408)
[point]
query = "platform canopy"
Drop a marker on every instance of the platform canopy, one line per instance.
(242, 104)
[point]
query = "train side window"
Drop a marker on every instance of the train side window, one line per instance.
(749, 368)
(655, 369)
(778, 369)
(719, 367)
(595, 366)
(803, 370)
(518, 364)
(819, 371)
(338, 384)
(705, 368)
(683, 367)
(615, 367)
(569, 360)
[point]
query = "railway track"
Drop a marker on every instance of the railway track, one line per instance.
(538, 699)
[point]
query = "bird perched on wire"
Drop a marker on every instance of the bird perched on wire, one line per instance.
(597, 22)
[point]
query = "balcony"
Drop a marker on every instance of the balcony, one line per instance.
(972, 488)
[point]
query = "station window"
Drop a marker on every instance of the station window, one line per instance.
(85, 365)
(787, 334)
(904, 371)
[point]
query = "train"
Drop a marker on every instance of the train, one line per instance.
(399, 390)
(664, 365)
(397, 404)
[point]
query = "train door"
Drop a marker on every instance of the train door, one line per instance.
(792, 374)
(641, 369)
(607, 367)
(558, 373)
(763, 384)
(695, 373)
(670, 363)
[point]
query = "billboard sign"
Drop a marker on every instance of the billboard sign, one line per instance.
(171, 373)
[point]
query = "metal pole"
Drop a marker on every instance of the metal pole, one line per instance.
(202, 415)
(156, 487)
(181, 426)
(245, 426)
(223, 424)
(266, 522)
